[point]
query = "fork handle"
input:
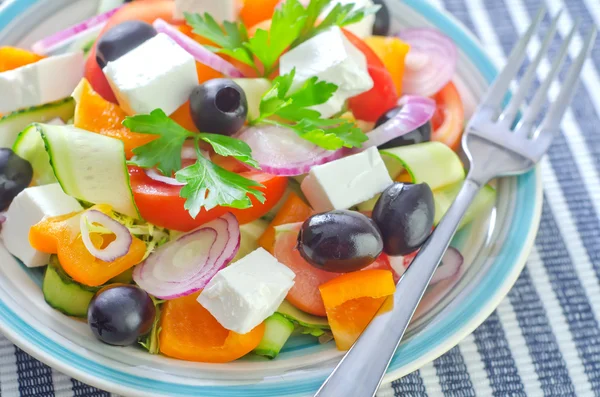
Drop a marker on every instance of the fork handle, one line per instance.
(361, 371)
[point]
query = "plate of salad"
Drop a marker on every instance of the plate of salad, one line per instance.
(215, 198)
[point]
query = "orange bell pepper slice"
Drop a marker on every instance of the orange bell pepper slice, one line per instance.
(392, 51)
(190, 332)
(94, 113)
(293, 210)
(256, 11)
(61, 235)
(352, 300)
(12, 58)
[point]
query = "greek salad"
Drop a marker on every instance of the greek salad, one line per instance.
(204, 179)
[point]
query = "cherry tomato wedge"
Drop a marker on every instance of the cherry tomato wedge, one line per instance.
(448, 120)
(369, 105)
(147, 11)
(161, 205)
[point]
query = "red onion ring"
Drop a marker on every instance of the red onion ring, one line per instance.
(450, 266)
(430, 63)
(117, 248)
(197, 50)
(415, 112)
(280, 151)
(186, 265)
(157, 176)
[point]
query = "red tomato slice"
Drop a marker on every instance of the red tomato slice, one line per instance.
(147, 11)
(305, 294)
(161, 205)
(448, 121)
(383, 96)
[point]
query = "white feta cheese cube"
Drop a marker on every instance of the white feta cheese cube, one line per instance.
(331, 57)
(157, 74)
(220, 10)
(363, 28)
(47, 80)
(346, 182)
(28, 208)
(244, 294)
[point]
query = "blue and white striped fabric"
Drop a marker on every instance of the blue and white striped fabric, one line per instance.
(544, 339)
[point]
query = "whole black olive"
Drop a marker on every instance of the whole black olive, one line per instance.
(340, 241)
(120, 313)
(382, 19)
(421, 134)
(219, 106)
(404, 213)
(121, 39)
(15, 176)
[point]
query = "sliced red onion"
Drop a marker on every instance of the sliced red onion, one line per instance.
(2, 217)
(197, 50)
(430, 63)
(186, 265)
(49, 43)
(415, 112)
(117, 248)
(157, 176)
(280, 151)
(450, 266)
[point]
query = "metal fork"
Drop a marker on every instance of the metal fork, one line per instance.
(496, 147)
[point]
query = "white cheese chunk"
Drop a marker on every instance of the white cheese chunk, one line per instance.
(331, 57)
(363, 28)
(346, 182)
(220, 10)
(245, 293)
(157, 74)
(28, 208)
(45, 81)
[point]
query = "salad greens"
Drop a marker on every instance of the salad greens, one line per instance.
(331, 134)
(207, 184)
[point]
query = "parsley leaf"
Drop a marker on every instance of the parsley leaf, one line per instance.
(344, 15)
(163, 153)
(330, 134)
(208, 186)
(206, 183)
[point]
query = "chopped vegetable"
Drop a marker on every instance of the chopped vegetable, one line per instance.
(448, 121)
(392, 51)
(186, 265)
(278, 330)
(91, 222)
(190, 332)
(13, 58)
(352, 300)
(293, 210)
(61, 235)
(449, 267)
(254, 12)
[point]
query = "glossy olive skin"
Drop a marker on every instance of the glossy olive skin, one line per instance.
(404, 214)
(382, 19)
(120, 313)
(420, 135)
(15, 176)
(340, 241)
(121, 39)
(219, 106)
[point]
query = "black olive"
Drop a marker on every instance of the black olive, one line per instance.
(421, 134)
(119, 314)
(219, 106)
(340, 241)
(382, 19)
(121, 39)
(404, 213)
(15, 176)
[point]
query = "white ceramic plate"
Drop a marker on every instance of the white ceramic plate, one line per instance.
(495, 250)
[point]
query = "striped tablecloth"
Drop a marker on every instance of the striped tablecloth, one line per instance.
(544, 339)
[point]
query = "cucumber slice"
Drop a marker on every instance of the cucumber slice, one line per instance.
(30, 146)
(254, 90)
(250, 232)
(301, 318)
(12, 124)
(90, 167)
(443, 198)
(65, 294)
(431, 162)
(277, 331)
